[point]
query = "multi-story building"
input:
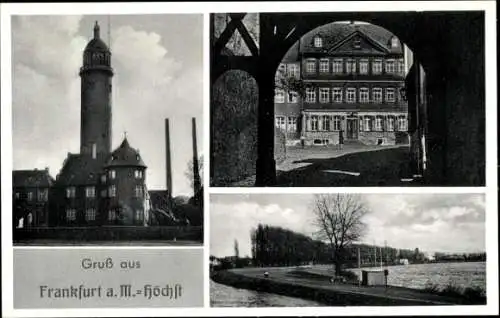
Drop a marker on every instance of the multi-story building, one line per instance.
(30, 200)
(343, 81)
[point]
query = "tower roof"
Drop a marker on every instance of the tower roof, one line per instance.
(97, 44)
(126, 156)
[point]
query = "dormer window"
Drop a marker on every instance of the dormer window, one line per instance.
(356, 44)
(318, 42)
(394, 42)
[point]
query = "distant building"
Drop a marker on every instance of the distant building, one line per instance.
(30, 202)
(352, 76)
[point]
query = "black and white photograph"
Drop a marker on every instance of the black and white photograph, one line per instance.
(335, 99)
(345, 249)
(107, 120)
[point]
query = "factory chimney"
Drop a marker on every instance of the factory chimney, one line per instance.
(169, 162)
(196, 172)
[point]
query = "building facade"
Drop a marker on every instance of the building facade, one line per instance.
(30, 202)
(341, 83)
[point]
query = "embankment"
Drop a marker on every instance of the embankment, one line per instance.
(320, 290)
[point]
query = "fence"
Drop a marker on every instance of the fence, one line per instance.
(111, 233)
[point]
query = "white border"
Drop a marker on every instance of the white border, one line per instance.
(205, 7)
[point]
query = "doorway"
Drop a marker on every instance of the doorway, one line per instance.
(352, 128)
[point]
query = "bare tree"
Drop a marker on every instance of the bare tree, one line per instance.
(339, 220)
(189, 171)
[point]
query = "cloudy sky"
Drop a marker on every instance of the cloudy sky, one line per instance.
(158, 63)
(431, 222)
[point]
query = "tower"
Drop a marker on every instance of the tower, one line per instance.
(96, 74)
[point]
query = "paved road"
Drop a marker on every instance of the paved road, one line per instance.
(44, 242)
(396, 293)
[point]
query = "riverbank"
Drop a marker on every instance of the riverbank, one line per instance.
(313, 286)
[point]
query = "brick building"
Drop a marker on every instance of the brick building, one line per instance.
(30, 200)
(351, 79)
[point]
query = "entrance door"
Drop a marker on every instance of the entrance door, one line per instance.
(352, 128)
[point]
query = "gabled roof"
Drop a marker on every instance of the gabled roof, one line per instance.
(125, 155)
(333, 33)
(80, 169)
(32, 178)
(362, 35)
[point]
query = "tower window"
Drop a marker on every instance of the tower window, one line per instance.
(318, 42)
(112, 191)
(138, 191)
(138, 174)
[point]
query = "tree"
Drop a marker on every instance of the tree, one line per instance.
(236, 249)
(189, 171)
(339, 220)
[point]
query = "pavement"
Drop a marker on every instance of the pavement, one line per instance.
(48, 242)
(396, 294)
(353, 165)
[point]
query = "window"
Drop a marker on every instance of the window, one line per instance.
(311, 66)
(70, 214)
(43, 195)
(367, 124)
(394, 42)
(326, 123)
(90, 192)
(336, 122)
(310, 95)
(104, 193)
(356, 44)
(292, 124)
(112, 174)
(324, 66)
(281, 70)
(138, 174)
(103, 178)
(389, 66)
(350, 66)
(401, 66)
(389, 95)
(363, 67)
(112, 215)
(390, 123)
(337, 66)
(318, 42)
(377, 95)
(280, 122)
(70, 192)
(351, 95)
(337, 94)
(30, 196)
(378, 123)
(402, 123)
(293, 70)
(293, 97)
(363, 95)
(279, 96)
(90, 214)
(18, 195)
(377, 67)
(139, 215)
(314, 123)
(138, 191)
(112, 191)
(324, 95)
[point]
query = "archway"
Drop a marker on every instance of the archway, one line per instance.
(450, 45)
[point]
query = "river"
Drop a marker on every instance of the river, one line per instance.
(471, 274)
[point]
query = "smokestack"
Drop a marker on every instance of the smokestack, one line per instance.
(196, 172)
(169, 162)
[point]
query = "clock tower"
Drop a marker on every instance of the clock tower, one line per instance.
(96, 74)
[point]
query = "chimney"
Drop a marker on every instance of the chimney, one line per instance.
(169, 162)
(196, 172)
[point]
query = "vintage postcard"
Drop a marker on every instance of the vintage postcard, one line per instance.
(249, 159)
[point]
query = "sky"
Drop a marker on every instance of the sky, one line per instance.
(450, 223)
(158, 64)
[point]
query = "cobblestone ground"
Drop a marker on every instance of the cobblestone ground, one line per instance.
(298, 159)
